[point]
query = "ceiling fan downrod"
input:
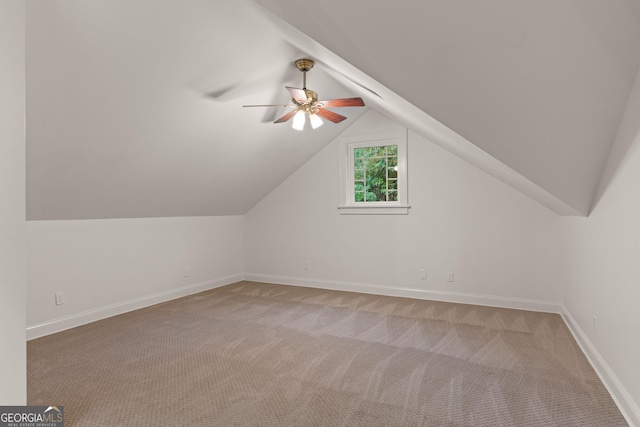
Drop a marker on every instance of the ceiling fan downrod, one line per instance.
(304, 65)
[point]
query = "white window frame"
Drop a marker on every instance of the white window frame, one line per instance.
(348, 205)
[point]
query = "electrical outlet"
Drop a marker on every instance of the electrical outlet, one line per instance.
(423, 273)
(59, 298)
(450, 276)
(306, 265)
(595, 324)
(186, 272)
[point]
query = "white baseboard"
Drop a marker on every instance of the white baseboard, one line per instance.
(71, 321)
(618, 392)
(457, 297)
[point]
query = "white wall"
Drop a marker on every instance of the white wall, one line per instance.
(503, 247)
(601, 268)
(13, 378)
(106, 267)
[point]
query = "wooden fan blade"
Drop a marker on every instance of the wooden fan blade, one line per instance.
(342, 102)
(286, 116)
(297, 94)
(330, 115)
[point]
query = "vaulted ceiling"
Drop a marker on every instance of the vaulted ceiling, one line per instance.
(134, 107)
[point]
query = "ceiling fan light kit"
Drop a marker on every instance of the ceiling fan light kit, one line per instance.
(315, 121)
(306, 104)
(298, 120)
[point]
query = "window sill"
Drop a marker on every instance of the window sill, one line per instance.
(374, 210)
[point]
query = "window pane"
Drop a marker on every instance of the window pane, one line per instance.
(375, 173)
(373, 163)
(376, 187)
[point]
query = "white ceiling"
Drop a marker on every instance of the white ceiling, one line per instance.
(134, 106)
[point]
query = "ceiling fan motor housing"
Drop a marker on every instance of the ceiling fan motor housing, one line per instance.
(312, 97)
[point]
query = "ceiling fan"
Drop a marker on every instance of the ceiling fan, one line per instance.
(305, 103)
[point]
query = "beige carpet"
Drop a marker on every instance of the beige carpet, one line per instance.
(252, 354)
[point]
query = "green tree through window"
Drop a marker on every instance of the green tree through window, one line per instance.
(376, 173)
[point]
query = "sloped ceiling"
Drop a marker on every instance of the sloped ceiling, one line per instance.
(539, 85)
(134, 106)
